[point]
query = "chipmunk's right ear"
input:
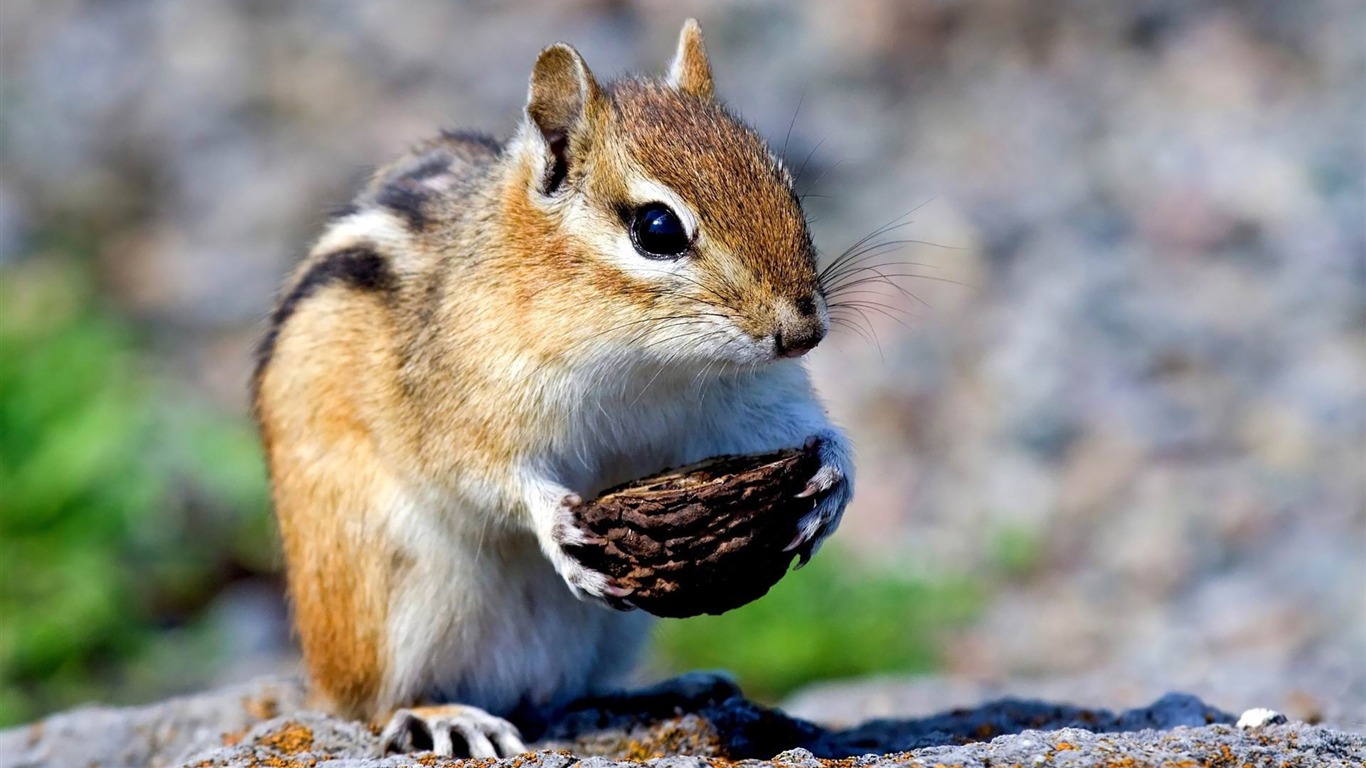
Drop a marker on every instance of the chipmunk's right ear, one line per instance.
(690, 71)
(561, 104)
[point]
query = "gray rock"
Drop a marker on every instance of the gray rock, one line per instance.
(163, 734)
(684, 724)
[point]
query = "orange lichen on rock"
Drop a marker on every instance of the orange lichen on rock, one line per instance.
(290, 739)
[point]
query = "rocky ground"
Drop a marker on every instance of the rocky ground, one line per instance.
(693, 721)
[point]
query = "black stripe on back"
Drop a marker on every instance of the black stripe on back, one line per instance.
(472, 137)
(432, 164)
(406, 198)
(359, 269)
(404, 191)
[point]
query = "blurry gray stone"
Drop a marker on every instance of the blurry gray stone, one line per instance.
(153, 736)
(687, 725)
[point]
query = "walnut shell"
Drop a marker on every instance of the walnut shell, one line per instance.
(704, 538)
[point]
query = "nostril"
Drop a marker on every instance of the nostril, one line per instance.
(806, 305)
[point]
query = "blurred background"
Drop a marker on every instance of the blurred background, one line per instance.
(1122, 439)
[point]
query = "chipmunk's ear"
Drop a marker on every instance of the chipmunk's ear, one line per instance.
(560, 103)
(690, 71)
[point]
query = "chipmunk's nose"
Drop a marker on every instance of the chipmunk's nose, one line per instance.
(799, 331)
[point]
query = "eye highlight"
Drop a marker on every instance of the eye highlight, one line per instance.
(658, 233)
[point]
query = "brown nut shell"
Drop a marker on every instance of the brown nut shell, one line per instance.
(704, 538)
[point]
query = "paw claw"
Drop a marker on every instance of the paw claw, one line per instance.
(566, 531)
(563, 533)
(614, 589)
(439, 725)
(588, 537)
(830, 489)
(479, 744)
(586, 582)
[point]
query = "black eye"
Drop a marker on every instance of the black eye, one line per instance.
(657, 232)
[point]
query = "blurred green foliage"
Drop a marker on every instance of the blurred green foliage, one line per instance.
(120, 503)
(1016, 551)
(834, 618)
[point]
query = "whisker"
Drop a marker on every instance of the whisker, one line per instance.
(856, 254)
(849, 325)
(881, 309)
(793, 122)
(813, 184)
(868, 323)
(890, 226)
(848, 259)
(849, 299)
(913, 276)
(675, 337)
(894, 224)
(641, 393)
(665, 321)
(809, 155)
(871, 332)
(880, 278)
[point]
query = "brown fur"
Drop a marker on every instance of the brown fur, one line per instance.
(325, 476)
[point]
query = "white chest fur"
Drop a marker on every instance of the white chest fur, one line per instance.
(640, 424)
(503, 628)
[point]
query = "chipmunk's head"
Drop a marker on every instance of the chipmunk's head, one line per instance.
(671, 214)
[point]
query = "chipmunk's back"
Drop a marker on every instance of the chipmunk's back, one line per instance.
(425, 186)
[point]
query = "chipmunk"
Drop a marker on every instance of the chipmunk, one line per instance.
(489, 334)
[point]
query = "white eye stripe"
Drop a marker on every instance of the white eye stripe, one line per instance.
(645, 190)
(604, 235)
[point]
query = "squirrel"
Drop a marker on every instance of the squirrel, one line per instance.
(492, 332)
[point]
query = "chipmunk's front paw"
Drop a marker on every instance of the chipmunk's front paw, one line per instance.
(831, 488)
(565, 533)
(451, 731)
